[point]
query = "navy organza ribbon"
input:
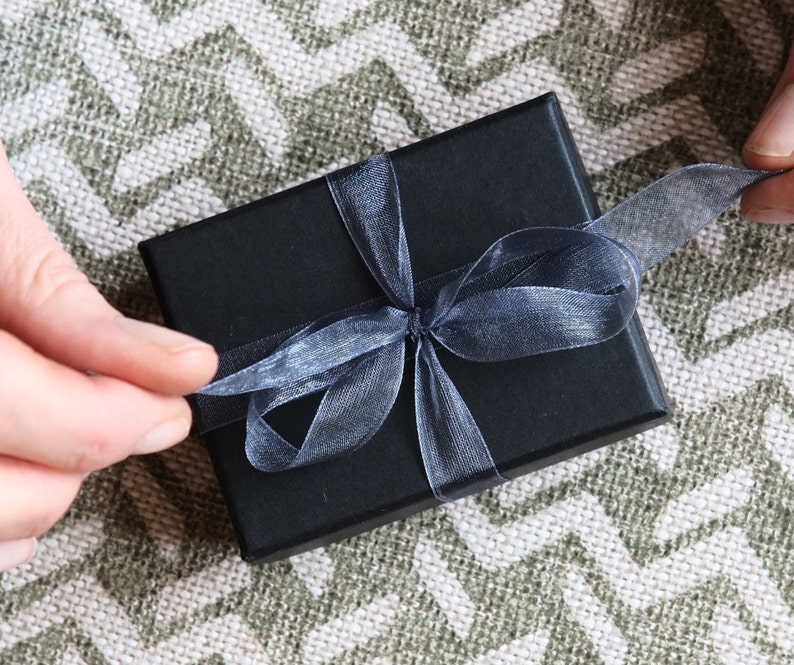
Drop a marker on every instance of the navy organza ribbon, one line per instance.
(533, 291)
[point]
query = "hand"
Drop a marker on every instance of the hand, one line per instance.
(771, 146)
(57, 422)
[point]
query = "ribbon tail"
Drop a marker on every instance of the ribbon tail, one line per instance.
(456, 459)
(668, 213)
(351, 411)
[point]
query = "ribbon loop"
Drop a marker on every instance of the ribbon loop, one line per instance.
(523, 321)
(351, 411)
(546, 289)
(543, 256)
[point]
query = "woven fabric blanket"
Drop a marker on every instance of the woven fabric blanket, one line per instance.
(126, 118)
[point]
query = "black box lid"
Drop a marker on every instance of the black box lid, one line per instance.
(285, 260)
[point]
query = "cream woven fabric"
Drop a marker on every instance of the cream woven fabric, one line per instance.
(125, 118)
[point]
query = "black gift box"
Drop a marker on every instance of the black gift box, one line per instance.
(286, 260)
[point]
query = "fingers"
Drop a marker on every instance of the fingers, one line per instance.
(47, 302)
(34, 498)
(771, 201)
(771, 146)
(62, 418)
(16, 552)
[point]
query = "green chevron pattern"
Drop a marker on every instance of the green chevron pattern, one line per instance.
(124, 118)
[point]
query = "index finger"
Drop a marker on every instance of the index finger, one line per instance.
(62, 418)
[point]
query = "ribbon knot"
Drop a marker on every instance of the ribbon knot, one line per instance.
(533, 291)
(416, 326)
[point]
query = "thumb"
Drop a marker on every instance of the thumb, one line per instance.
(50, 305)
(771, 146)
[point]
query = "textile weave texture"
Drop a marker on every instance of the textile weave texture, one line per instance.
(126, 118)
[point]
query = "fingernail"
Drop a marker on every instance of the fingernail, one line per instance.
(770, 215)
(163, 436)
(169, 339)
(774, 134)
(16, 552)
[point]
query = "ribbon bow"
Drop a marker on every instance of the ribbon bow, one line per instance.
(533, 291)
